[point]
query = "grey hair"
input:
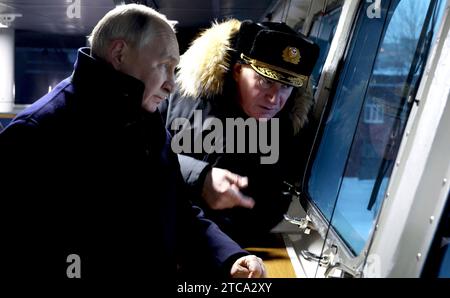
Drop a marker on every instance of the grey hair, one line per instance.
(134, 23)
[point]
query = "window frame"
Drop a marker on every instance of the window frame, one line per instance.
(330, 9)
(329, 235)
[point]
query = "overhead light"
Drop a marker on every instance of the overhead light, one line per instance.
(7, 18)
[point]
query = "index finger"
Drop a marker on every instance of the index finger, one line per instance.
(240, 199)
(236, 179)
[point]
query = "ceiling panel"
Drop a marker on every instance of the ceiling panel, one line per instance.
(195, 13)
(51, 15)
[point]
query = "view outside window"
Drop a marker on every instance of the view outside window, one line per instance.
(42, 60)
(38, 46)
(366, 122)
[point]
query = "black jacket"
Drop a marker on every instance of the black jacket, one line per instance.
(266, 181)
(89, 172)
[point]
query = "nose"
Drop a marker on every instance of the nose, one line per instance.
(169, 84)
(272, 94)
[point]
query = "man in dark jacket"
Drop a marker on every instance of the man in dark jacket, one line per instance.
(249, 71)
(93, 189)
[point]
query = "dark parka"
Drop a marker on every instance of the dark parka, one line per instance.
(87, 171)
(205, 83)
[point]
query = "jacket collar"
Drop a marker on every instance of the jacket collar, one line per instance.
(102, 87)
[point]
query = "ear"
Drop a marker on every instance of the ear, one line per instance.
(116, 53)
(237, 67)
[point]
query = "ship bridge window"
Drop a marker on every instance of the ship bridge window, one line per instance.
(322, 33)
(361, 132)
(42, 60)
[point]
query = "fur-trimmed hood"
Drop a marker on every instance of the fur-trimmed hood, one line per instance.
(203, 67)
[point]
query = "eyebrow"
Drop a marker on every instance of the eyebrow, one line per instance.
(174, 59)
(171, 59)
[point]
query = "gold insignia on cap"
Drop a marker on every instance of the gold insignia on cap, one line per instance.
(291, 55)
(275, 73)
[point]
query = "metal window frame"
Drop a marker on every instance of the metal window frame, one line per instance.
(384, 253)
(419, 184)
